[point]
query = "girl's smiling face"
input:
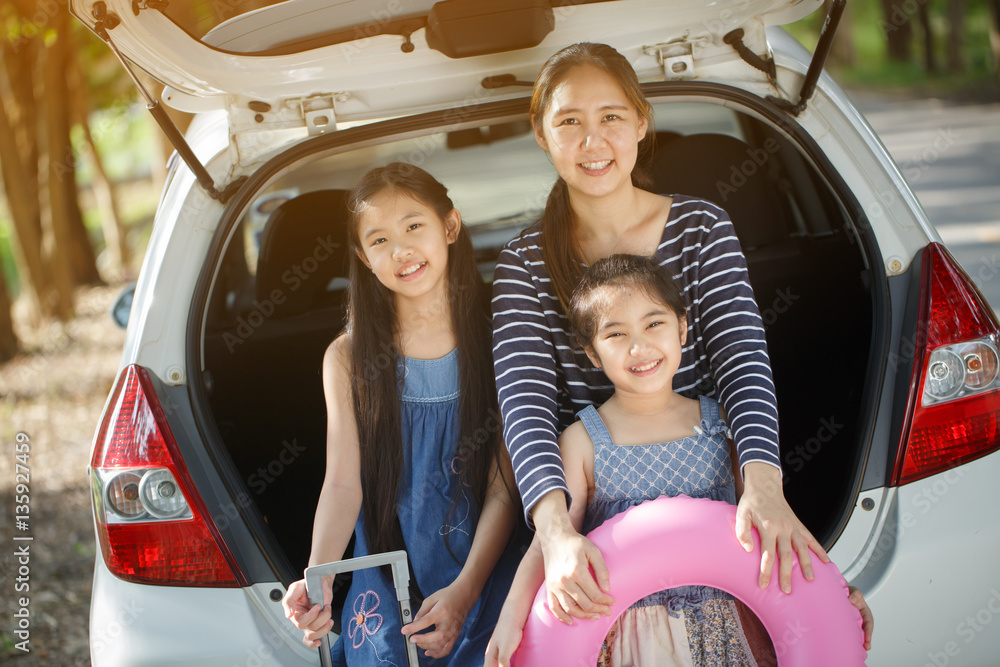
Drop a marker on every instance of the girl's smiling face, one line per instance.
(405, 243)
(592, 131)
(638, 342)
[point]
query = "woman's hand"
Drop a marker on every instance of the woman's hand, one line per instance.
(781, 533)
(313, 619)
(571, 588)
(857, 598)
(569, 557)
(506, 638)
(446, 610)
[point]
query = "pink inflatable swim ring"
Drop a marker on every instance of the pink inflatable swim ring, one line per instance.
(670, 542)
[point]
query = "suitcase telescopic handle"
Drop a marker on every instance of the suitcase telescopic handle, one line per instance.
(400, 581)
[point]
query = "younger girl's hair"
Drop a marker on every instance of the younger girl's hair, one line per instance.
(560, 253)
(606, 280)
(374, 350)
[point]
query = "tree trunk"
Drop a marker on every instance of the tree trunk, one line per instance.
(24, 208)
(21, 59)
(898, 30)
(956, 32)
(995, 33)
(115, 234)
(63, 190)
(927, 32)
(52, 169)
(8, 339)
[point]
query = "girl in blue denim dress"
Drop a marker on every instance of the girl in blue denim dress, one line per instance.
(644, 442)
(414, 453)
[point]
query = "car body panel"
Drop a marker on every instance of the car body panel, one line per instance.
(152, 625)
(183, 225)
(371, 78)
(912, 563)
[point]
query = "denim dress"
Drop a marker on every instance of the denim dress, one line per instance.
(688, 625)
(431, 467)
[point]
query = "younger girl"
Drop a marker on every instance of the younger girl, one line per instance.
(414, 456)
(644, 442)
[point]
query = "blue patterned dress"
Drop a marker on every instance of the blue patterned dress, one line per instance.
(371, 623)
(688, 625)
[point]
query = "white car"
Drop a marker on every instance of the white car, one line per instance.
(209, 459)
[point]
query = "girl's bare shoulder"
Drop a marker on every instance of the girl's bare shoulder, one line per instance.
(575, 438)
(337, 359)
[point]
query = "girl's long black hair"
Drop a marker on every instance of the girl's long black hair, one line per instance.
(374, 350)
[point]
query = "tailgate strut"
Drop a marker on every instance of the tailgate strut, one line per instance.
(104, 22)
(816, 64)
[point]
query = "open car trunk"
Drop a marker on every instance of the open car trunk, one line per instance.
(275, 296)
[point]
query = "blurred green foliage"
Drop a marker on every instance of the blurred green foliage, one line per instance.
(872, 68)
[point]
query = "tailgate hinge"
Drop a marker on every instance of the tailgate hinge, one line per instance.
(319, 112)
(676, 58)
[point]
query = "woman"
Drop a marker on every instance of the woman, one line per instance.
(590, 116)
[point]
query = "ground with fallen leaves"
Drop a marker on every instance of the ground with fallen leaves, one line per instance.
(55, 394)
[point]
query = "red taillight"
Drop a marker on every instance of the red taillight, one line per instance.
(953, 409)
(153, 526)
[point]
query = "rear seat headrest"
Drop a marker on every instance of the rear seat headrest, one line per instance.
(730, 174)
(303, 247)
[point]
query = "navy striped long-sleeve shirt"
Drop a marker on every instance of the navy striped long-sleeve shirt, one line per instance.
(544, 377)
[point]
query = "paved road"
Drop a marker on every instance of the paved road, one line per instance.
(950, 155)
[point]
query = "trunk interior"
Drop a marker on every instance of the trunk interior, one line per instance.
(277, 300)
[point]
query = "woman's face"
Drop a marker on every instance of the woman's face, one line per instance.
(592, 132)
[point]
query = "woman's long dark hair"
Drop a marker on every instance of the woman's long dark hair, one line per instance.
(560, 251)
(374, 350)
